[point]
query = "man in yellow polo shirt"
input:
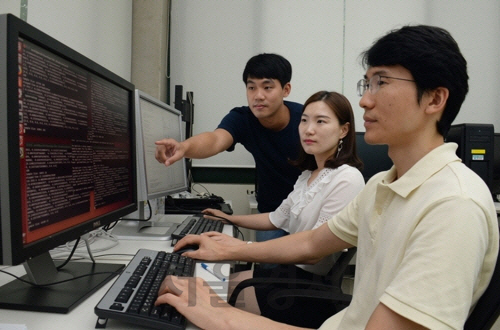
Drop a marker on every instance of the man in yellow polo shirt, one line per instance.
(426, 230)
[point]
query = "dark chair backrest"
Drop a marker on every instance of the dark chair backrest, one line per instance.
(487, 308)
(336, 274)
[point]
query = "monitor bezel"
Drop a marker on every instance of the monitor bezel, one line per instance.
(13, 250)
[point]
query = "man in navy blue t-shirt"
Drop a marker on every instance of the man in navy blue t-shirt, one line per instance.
(267, 128)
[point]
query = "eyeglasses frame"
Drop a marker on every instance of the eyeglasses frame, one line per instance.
(366, 85)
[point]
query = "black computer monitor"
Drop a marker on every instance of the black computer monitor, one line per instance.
(68, 165)
(154, 120)
(495, 184)
(375, 157)
(475, 147)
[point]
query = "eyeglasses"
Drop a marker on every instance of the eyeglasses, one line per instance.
(373, 85)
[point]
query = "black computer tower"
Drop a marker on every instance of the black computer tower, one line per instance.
(475, 148)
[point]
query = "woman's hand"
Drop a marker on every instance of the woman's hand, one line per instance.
(224, 239)
(208, 248)
(215, 214)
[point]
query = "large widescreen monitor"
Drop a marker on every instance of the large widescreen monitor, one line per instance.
(154, 120)
(68, 165)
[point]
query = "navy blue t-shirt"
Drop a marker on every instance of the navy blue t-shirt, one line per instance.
(271, 151)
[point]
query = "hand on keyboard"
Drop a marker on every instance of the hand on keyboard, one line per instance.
(132, 296)
(200, 304)
(208, 248)
(215, 214)
(225, 239)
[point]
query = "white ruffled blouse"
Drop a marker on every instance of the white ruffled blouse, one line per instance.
(309, 206)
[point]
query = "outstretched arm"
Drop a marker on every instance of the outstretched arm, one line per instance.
(194, 299)
(303, 247)
(202, 145)
(258, 221)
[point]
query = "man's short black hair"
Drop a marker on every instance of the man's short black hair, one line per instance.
(271, 66)
(433, 58)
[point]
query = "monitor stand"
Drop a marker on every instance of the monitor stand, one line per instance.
(57, 298)
(144, 230)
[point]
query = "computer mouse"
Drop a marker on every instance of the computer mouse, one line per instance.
(187, 248)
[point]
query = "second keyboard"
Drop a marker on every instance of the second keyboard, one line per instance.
(196, 225)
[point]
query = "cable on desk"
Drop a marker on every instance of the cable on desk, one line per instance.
(62, 265)
(110, 226)
(92, 238)
(80, 257)
(149, 217)
(230, 223)
(196, 191)
(69, 257)
(57, 282)
(87, 245)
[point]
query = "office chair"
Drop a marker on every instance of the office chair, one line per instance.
(487, 309)
(311, 290)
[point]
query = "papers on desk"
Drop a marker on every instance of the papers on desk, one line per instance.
(13, 327)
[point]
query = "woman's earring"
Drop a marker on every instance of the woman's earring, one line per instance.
(339, 147)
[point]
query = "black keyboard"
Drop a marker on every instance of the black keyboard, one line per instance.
(131, 298)
(197, 224)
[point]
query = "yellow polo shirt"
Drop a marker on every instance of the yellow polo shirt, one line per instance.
(427, 243)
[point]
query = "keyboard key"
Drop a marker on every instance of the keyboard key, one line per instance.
(124, 295)
(117, 307)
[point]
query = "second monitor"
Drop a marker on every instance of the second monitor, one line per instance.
(154, 120)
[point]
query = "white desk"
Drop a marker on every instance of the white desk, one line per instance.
(83, 317)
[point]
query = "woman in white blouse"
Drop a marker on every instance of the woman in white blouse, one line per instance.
(330, 180)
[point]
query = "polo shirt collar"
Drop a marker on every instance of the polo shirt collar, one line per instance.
(431, 163)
